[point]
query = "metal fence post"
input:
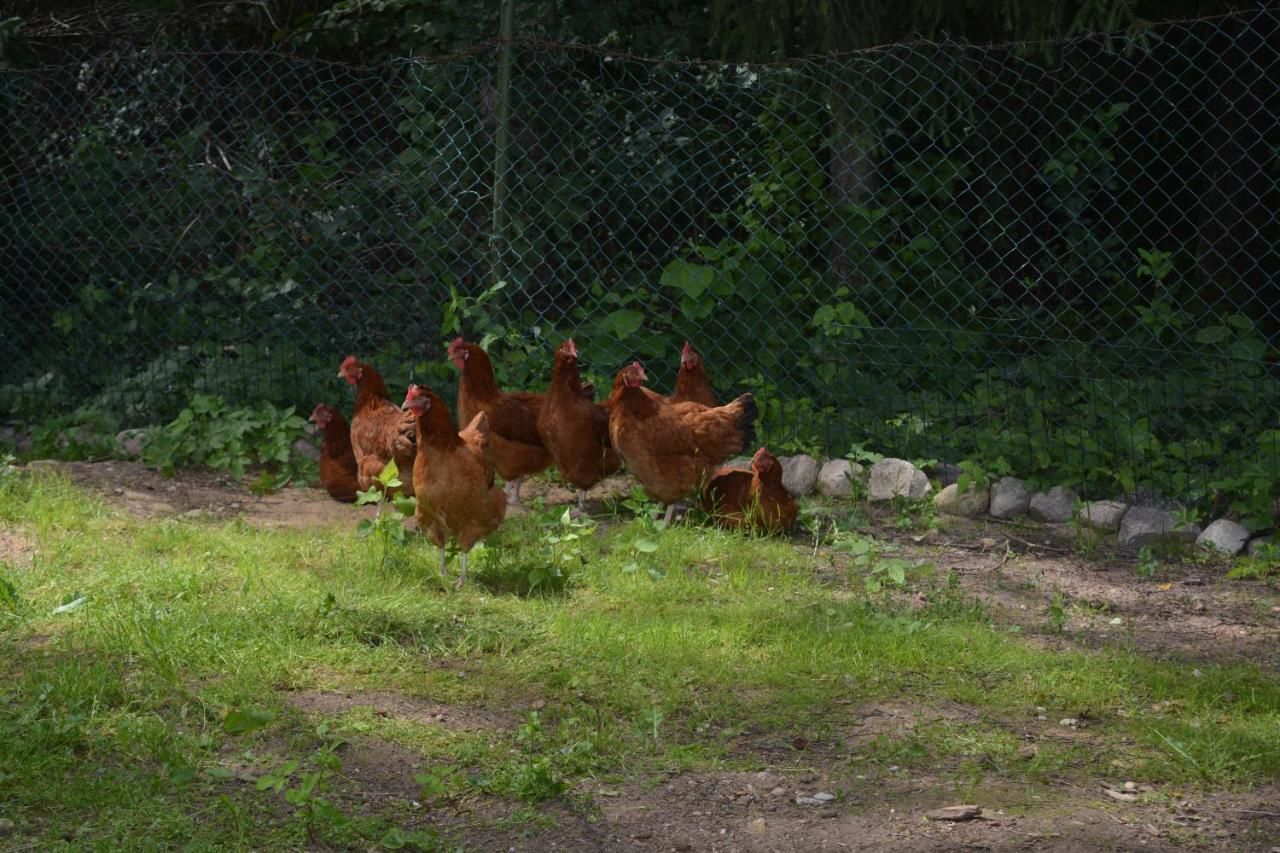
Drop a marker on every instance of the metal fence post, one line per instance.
(502, 143)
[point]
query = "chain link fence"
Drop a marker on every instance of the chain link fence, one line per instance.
(1057, 260)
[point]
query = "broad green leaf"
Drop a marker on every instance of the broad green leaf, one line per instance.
(623, 322)
(394, 839)
(71, 606)
(1212, 334)
(247, 720)
(692, 279)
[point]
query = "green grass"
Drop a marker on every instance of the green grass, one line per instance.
(112, 714)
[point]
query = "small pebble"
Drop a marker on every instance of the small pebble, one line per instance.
(1131, 786)
(823, 796)
(7, 827)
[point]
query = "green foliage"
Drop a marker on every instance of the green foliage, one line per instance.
(248, 720)
(879, 571)
(872, 201)
(977, 476)
(210, 432)
(304, 784)
(10, 601)
(87, 433)
(536, 780)
(1058, 613)
(539, 554)
(1148, 562)
(386, 528)
(1263, 564)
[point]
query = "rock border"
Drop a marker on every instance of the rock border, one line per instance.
(1132, 525)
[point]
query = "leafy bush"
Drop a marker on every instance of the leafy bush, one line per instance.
(210, 432)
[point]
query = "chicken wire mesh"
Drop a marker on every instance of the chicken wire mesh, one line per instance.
(1059, 260)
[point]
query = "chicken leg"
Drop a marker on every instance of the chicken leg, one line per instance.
(582, 500)
(462, 577)
(513, 491)
(671, 511)
(444, 565)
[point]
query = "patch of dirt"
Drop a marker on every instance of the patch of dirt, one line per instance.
(380, 771)
(389, 703)
(748, 812)
(1188, 611)
(554, 493)
(146, 493)
(15, 548)
(194, 493)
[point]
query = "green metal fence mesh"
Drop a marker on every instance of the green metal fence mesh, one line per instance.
(1061, 261)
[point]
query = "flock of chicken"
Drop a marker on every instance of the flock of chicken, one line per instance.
(671, 445)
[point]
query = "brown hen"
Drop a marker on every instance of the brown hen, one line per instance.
(380, 431)
(754, 498)
(573, 428)
(513, 417)
(672, 447)
(692, 384)
(337, 461)
(453, 475)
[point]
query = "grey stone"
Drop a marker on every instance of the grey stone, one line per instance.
(1103, 515)
(306, 449)
(1144, 525)
(971, 504)
(1010, 498)
(1225, 535)
(129, 442)
(835, 480)
(6, 827)
(1154, 498)
(955, 813)
(1257, 546)
(891, 478)
(945, 473)
(1055, 506)
(13, 437)
(799, 474)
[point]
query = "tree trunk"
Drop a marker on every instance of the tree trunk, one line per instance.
(853, 181)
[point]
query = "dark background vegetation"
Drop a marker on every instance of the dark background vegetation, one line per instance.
(1037, 236)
